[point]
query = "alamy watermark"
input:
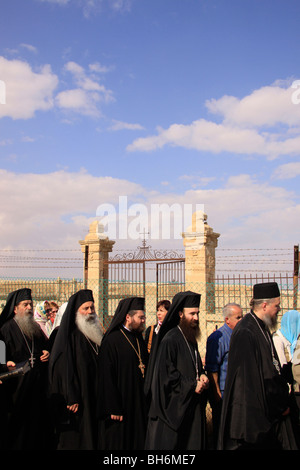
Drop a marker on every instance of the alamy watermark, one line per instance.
(159, 221)
(296, 93)
(2, 92)
(2, 352)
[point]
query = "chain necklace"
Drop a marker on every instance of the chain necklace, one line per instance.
(194, 359)
(95, 348)
(138, 353)
(31, 351)
(269, 341)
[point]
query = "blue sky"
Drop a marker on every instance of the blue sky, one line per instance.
(162, 101)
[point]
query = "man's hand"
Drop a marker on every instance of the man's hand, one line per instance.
(45, 356)
(116, 417)
(73, 408)
(202, 384)
(10, 365)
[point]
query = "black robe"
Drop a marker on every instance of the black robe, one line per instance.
(256, 394)
(75, 431)
(3, 408)
(121, 384)
(28, 423)
(177, 414)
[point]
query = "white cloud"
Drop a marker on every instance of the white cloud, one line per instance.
(287, 171)
(266, 122)
(59, 2)
(84, 81)
(203, 135)
(29, 47)
(5, 142)
(90, 7)
(87, 95)
(267, 106)
(98, 68)
(26, 138)
(121, 5)
(120, 125)
(79, 101)
(43, 210)
(54, 209)
(27, 91)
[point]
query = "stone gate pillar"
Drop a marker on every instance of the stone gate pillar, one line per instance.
(95, 248)
(200, 242)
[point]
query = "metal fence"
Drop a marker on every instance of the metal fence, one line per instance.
(107, 295)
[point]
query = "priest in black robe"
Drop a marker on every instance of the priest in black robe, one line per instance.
(255, 411)
(122, 363)
(73, 374)
(176, 381)
(25, 396)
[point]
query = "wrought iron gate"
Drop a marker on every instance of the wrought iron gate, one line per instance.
(170, 278)
(127, 274)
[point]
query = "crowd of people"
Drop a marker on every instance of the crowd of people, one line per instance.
(68, 384)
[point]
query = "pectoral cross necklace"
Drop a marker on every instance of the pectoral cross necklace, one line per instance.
(195, 360)
(269, 341)
(31, 351)
(141, 366)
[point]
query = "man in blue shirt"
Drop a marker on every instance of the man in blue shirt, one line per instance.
(217, 347)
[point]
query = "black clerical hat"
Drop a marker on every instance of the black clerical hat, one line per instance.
(79, 298)
(266, 290)
(13, 299)
(124, 306)
(192, 300)
(138, 303)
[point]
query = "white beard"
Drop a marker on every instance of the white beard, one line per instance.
(28, 325)
(90, 326)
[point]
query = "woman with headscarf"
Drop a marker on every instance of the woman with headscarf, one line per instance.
(286, 336)
(285, 341)
(41, 317)
(56, 324)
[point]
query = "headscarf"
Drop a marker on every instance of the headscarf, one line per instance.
(40, 316)
(59, 315)
(180, 301)
(13, 299)
(290, 327)
(124, 306)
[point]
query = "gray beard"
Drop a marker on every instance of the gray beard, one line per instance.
(28, 325)
(270, 322)
(90, 327)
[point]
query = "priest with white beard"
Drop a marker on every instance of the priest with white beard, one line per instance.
(73, 374)
(24, 397)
